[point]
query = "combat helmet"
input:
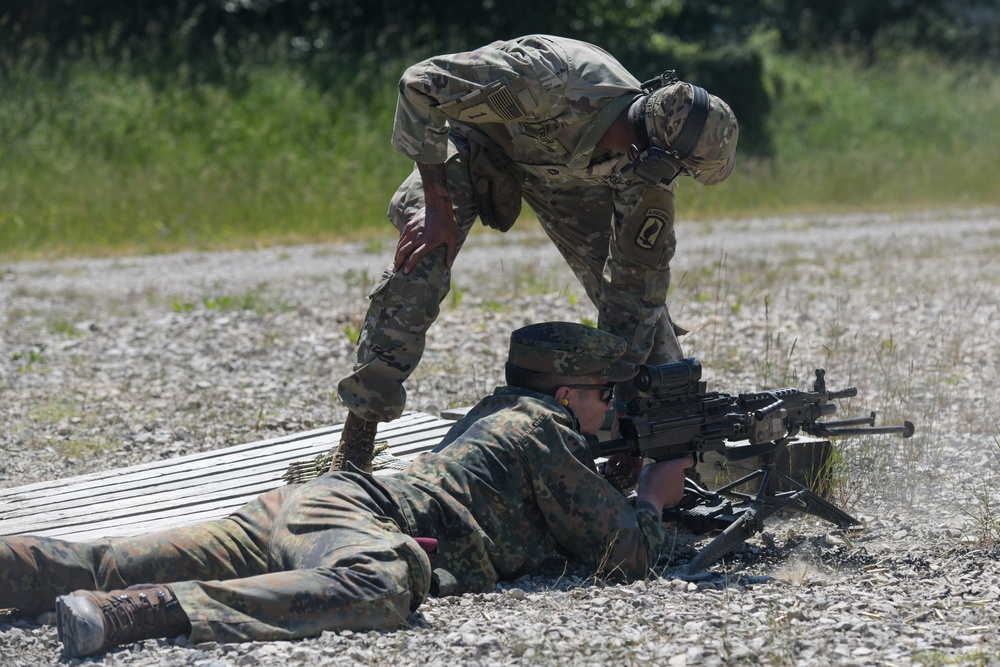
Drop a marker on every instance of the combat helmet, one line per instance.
(690, 131)
(570, 349)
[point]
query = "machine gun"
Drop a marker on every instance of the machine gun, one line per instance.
(675, 416)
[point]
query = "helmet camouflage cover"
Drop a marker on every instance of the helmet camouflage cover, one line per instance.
(714, 156)
(569, 349)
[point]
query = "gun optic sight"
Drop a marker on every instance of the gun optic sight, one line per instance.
(666, 378)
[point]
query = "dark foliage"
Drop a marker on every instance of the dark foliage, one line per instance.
(706, 41)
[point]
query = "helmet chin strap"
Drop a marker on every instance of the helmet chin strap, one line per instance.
(661, 166)
(654, 165)
(688, 137)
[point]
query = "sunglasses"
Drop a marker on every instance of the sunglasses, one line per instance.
(607, 390)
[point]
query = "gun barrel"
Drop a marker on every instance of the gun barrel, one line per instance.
(847, 392)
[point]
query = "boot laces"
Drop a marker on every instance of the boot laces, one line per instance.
(128, 619)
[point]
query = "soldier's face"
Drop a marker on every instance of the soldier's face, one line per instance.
(590, 400)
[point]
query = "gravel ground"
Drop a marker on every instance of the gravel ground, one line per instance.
(112, 362)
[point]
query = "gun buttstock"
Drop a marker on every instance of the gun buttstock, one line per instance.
(605, 448)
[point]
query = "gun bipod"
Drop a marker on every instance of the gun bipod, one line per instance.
(740, 515)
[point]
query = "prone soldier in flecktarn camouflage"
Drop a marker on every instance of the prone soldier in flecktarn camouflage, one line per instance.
(511, 485)
(562, 125)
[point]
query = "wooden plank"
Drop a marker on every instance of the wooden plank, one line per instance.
(100, 508)
(409, 423)
(135, 525)
(95, 479)
(188, 488)
(188, 480)
(279, 453)
(167, 494)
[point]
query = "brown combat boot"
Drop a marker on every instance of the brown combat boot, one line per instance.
(357, 444)
(92, 622)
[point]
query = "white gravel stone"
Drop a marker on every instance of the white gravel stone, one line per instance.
(112, 362)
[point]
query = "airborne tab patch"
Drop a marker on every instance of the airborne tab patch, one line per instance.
(652, 226)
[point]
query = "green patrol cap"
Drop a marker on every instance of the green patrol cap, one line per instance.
(714, 155)
(570, 349)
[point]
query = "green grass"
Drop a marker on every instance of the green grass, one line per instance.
(96, 159)
(913, 133)
(250, 300)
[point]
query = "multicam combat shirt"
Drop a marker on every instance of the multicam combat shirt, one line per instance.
(510, 486)
(545, 102)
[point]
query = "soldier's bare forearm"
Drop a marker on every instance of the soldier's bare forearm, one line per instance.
(435, 181)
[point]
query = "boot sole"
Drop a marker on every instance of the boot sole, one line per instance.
(72, 626)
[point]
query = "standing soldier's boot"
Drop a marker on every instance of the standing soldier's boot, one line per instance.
(357, 444)
(92, 622)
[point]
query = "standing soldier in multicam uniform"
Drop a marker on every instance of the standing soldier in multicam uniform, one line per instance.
(594, 153)
(511, 485)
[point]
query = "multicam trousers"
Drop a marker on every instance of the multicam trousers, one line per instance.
(292, 563)
(402, 308)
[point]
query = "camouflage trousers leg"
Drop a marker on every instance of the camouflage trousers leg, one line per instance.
(578, 221)
(336, 563)
(294, 562)
(402, 307)
(34, 570)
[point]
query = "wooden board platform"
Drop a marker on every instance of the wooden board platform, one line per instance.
(210, 485)
(185, 489)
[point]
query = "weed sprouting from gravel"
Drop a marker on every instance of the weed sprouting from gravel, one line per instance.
(983, 518)
(30, 359)
(876, 302)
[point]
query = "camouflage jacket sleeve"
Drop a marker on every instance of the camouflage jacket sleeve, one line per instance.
(544, 85)
(637, 272)
(516, 469)
(586, 515)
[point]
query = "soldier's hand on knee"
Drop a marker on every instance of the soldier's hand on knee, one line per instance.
(423, 234)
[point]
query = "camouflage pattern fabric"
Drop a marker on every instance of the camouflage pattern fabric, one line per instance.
(543, 102)
(570, 349)
(402, 306)
(714, 156)
(513, 484)
(292, 563)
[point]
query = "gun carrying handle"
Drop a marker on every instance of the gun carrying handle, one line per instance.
(767, 411)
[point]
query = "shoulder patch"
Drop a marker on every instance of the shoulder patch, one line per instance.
(652, 226)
